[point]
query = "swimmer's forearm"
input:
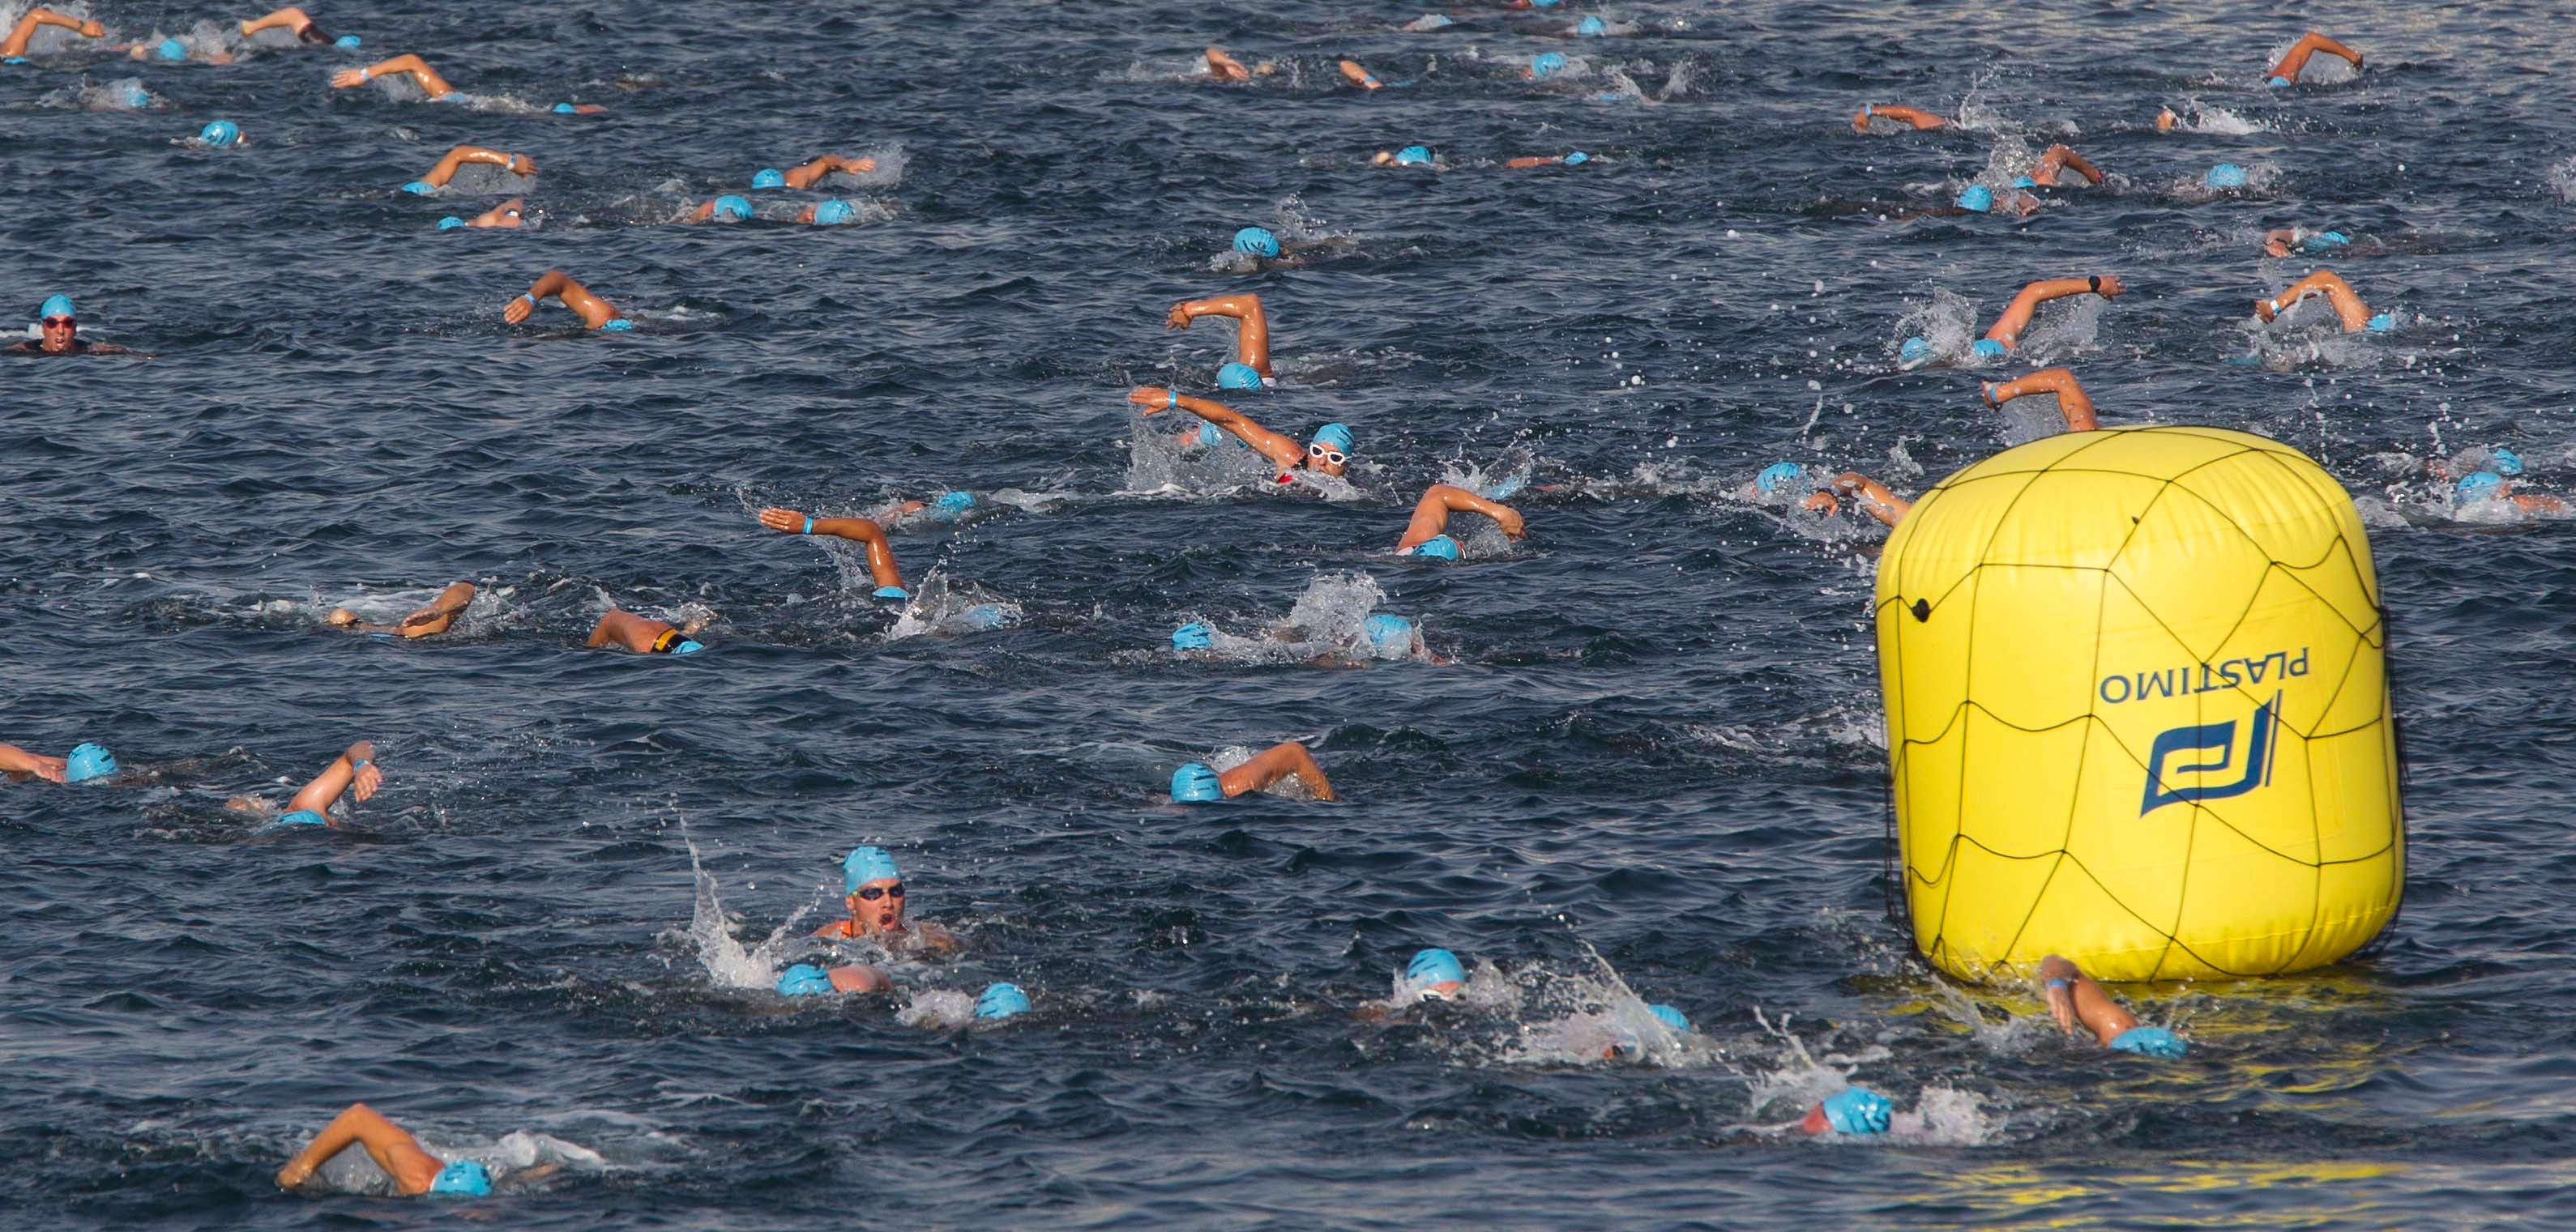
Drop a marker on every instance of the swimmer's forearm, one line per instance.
(288, 18)
(1457, 499)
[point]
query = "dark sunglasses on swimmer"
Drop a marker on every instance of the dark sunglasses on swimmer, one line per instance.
(1327, 455)
(873, 893)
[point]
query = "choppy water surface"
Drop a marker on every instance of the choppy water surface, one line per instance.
(1648, 768)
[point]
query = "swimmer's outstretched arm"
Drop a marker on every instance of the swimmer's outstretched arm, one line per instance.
(2071, 398)
(1359, 76)
(2348, 307)
(432, 619)
(288, 18)
(393, 1148)
(353, 772)
(623, 628)
(1431, 514)
(16, 762)
(505, 214)
(1251, 341)
(1282, 452)
(2016, 317)
(1875, 499)
(2296, 58)
(515, 164)
(807, 175)
(1276, 763)
(1222, 67)
(2059, 158)
(881, 568)
(594, 311)
(430, 82)
(1921, 120)
(859, 978)
(2073, 997)
(16, 43)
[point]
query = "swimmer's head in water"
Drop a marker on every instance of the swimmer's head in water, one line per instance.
(834, 213)
(2023, 181)
(1546, 64)
(450, 223)
(1577, 159)
(1916, 350)
(1329, 450)
(569, 109)
(463, 1178)
(1858, 1110)
(2225, 175)
(1238, 376)
(1196, 783)
(2154, 1042)
(420, 188)
(769, 177)
(983, 618)
(1434, 974)
(1256, 241)
(730, 208)
(346, 42)
(866, 864)
(1195, 635)
(1413, 156)
(2276, 82)
(1589, 27)
(950, 506)
(2325, 239)
(1990, 348)
(2505, 461)
(88, 761)
(619, 326)
(303, 817)
(1777, 476)
(1001, 1000)
(55, 306)
(1976, 197)
(137, 96)
(171, 49)
(1670, 1017)
(1438, 547)
(219, 133)
(895, 593)
(2483, 485)
(686, 646)
(804, 980)
(2382, 323)
(1389, 634)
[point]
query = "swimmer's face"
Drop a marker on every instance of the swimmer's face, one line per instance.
(878, 906)
(59, 333)
(1325, 459)
(1445, 990)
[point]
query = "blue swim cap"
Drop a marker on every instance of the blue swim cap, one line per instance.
(1238, 376)
(1432, 21)
(2330, 238)
(1000, 1001)
(137, 96)
(805, 980)
(1774, 476)
(1195, 635)
(2225, 175)
(14, 60)
(1916, 350)
(769, 177)
(1390, 633)
(1505, 486)
(462, 1179)
(171, 49)
(2023, 181)
(1589, 26)
(890, 592)
(56, 306)
(567, 109)
(2484, 485)
(1546, 62)
(952, 505)
(1208, 434)
(2151, 1042)
(1976, 197)
(834, 213)
(1670, 1017)
(866, 864)
(1545, 4)
(687, 647)
(1257, 241)
(1413, 155)
(88, 761)
(346, 42)
(1858, 1110)
(1990, 348)
(1440, 547)
(1196, 783)
(733, 207)
(303, 817)
(2507, 462)
(450, 223)
(619, 326)
(419, 188)
(983, 616)
(2382, 323)
(1577, 159)
(1336, 435)
(2276, 82)
(1433, 966)
(219, 133)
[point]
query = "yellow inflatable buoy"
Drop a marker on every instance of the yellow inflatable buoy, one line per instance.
(2137, 710)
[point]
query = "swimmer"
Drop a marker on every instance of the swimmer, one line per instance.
(2071, 398)
(1260, 248)
(1199, 783)
(1628, 1045)
(428, 621)
(596, 313)
(2354, 314)
(2073, 997)
(1921, 120)
(643, 634)
(413, 1170)
(21, 765)
(828, 214)
(1427, 534)
(1359, 76)
(1575, 159)
(2057, 158)
(2295, 59)
(2283, 242)
(14, 48)
(292, 19)
(1222, 67)
(1409, 156)
(1389, 637)
(172, 49)
(726, 208)
(1329, 453)
(520, 165)
(809, 174)
(61, 333)
(2006, 333)
(2487, 485)
(1875, 500)
(865, 531)
(1251, 335)
(872, 886)
(411, 66)
(1856, 1111)
(507, 214)
(353, 772)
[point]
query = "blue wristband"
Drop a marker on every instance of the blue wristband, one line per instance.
(532, 300)
(809, 526)
(360, 762)
(2057, 983)
(1171, 398)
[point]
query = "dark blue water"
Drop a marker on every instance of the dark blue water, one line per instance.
(1651, 768)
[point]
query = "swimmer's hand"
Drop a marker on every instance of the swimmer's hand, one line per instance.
(1154, 398)
(784, 521)
(294, 1174)
(91, 29)
(341, 616)
(50, 769)
(517, 310)
(1821, 501)
(364, 781)
(349, 78)
(1510, 520)
(2110, 286)
(1178, 317)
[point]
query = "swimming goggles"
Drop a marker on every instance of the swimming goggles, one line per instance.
(873, 893)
